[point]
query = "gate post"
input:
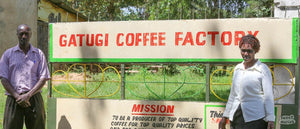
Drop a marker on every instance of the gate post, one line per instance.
(122, 81)
(207, 84)
(50, 82)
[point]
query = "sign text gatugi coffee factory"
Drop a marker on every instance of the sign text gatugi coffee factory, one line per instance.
(213, 40)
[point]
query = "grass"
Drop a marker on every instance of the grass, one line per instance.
(143, 84)
(2, 104)
(186, 85)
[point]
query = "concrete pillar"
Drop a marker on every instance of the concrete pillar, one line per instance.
(289, 9)
(286, 8)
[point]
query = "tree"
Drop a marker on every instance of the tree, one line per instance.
(113, 10)
(262, 8)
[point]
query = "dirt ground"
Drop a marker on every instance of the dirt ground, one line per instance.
(58, 79)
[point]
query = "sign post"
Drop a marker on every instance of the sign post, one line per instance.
(175, 41)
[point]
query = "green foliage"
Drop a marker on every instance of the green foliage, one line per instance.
(262, 8)
(199, 69)
(171, 69)
(123, 10)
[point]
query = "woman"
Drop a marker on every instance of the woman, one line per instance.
(250, 104)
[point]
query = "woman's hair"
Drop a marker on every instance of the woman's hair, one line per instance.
(252, 40)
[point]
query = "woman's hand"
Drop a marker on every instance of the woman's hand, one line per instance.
(222, 123)
(271, 125)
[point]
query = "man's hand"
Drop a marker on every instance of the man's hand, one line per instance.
(222, 123)
(23, 100)
(271, 125)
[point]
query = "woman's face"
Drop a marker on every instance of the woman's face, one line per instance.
(248, 53)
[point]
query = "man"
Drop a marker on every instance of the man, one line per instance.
(23, 72)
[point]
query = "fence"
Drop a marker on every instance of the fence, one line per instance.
(176, 82)
(193, 82)
(148, 81)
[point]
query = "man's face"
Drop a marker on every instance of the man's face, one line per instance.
(248, 53)
(24, 35)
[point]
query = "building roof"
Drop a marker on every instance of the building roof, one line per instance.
(62, 5)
